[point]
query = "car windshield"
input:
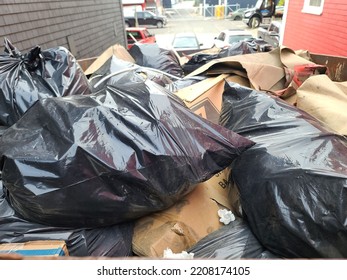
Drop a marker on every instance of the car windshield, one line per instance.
(238, 38)
(147, 33)
(185, 42)
(149, 13)
(259, 4)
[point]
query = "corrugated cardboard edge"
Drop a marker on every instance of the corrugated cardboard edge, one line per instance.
(192, 92)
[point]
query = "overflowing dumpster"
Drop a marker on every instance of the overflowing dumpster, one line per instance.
(131, 155)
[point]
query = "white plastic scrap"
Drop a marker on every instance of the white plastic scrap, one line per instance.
(184, 255)
(240, 209)
(226, 216)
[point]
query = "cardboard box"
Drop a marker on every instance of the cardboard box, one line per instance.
(116, 50)
(36, 248)
(205, 98)
(185, 223)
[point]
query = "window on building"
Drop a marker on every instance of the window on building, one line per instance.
(313, 7)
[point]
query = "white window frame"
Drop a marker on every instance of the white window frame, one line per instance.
(312, 9)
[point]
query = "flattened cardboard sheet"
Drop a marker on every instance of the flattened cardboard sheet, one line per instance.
(185, 223)
(325, 100)
(116, 50)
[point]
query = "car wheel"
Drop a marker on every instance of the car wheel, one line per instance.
(237, 18)
(160, 24)
(254, 22)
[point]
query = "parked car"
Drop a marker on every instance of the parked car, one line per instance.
(237, 14)
(272, 34)
(145, 18)
(227, 37)
(262, 13)
(186, 43)
(139, 35)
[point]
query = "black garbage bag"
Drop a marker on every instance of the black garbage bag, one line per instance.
(25, 78)
(103, 159)
(242, 47)
(184, 82)
(252, 45)
(152, 56)
(259, 45)
(113, 241)
(118, 70)
(230, 242)
(111, 65)
(293, 181)
(196, 61)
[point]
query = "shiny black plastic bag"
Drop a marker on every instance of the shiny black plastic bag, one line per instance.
(248, 46)
(230, 242)
(125, 152)
(117, 70)
(239, 48)
(184, 82)
(114, 241)
(151, 55)
(25, 78)
(197, 60)
(293, 181)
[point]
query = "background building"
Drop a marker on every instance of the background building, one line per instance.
(85, 27)
(319, 26)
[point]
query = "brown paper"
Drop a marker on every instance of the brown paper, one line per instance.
(184, 224)
(116, 50)
(205, 98)
(264, 70)
(325, 100)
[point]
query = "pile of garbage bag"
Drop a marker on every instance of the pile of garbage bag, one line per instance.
(142, 155)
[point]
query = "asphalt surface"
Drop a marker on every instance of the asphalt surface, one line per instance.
(206, 29)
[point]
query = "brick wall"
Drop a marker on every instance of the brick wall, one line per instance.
(85, 27)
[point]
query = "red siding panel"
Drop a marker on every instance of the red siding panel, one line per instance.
(324, 34)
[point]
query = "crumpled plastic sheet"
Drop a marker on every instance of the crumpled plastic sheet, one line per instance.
(293, 181)
(252, 45)
(113, 241)
(198, 60)
(115, 70)
(231, 242)
(152, 56)
(25, 78)
(184, 82)
(102, 159)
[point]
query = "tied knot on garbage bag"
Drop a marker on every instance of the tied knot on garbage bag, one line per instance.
(32, 59)
(124, 152)
(26, 78)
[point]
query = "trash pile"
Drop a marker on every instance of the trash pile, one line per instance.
(227, 155)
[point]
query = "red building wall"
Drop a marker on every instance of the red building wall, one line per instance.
(324, 34)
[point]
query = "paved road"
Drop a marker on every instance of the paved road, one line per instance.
(205, 28)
